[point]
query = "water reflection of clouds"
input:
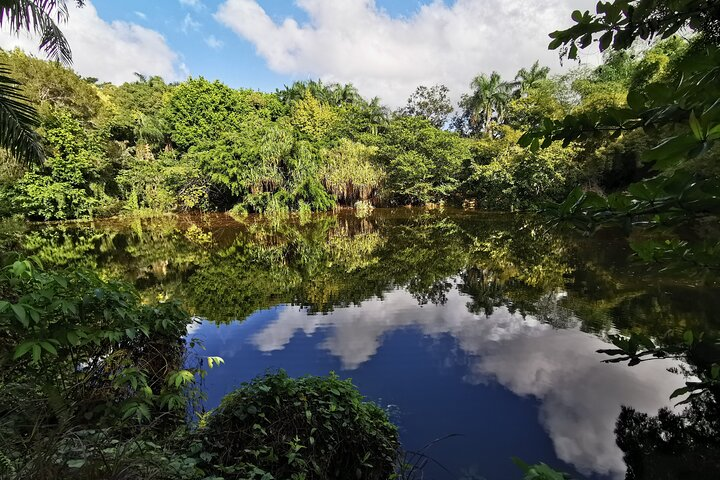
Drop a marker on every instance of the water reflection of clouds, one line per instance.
(580, 397)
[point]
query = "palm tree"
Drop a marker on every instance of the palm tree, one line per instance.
(527, 79)
(345, 94)
(377, 115)
(17, 117)
(298, 89)
(489, 99)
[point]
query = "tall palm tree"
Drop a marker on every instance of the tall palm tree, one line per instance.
(345, 94)
(377, 115)
(490, 97)
(527, 79)
(17, 117)
(298, 89)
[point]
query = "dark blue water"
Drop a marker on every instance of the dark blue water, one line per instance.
(506, 385)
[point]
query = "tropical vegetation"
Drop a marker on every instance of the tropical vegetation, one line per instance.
(149, 147)
(95, 377)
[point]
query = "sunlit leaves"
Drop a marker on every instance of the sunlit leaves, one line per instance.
(72, 324)
(181, 378)
(212, 361)
(539, 471)
(665, 199)
(621, 22)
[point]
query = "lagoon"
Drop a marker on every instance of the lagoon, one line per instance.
(479, 327)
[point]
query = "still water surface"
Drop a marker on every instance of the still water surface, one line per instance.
(480, 325)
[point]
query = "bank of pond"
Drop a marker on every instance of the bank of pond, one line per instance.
(211, 346)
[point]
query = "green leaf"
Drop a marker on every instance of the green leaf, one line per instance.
(671, 151)
(18, 268)
(49, 347)
(214, 361)
(688, 338)
(73, 338)
(679, 391)
(553, 45)
(572, 54)
(714, 133)
(521, 464)
(23, 348)
(605, 40)
(696, 127)
(20, 314)
(78, 463)
(36, 352)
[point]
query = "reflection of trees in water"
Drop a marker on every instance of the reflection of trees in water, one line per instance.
(487, 292)
(224, 270)
(670, 446)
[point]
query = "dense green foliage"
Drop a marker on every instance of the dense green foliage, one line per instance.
(310, 428)
(147, 146)
(18, 118)
(633, 142)
(79, 355)
(672, 107)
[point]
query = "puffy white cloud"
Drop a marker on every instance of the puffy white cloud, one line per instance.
(356, 41)
(110, 51)
(579, 397)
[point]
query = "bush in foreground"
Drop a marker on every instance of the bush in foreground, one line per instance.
(306, 428)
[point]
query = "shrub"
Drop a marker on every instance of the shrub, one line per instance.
(306, 428)
(131, 354)
(79, 354)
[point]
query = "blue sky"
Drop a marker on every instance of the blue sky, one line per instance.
(235, 62)
(384, 47)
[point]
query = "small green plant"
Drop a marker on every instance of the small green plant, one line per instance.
(307, 428)
(539, 471)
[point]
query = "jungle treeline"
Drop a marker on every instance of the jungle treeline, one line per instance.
(149, 146)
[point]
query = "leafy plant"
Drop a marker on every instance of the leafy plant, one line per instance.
(311, 428)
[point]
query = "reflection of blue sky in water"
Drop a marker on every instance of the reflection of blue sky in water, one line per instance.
(511, 386)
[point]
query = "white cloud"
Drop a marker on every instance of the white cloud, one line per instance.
(111, 51)
(356, 41)
(579, 397)
(213, 42)
(194, 4)
(141, 15)
(190, 24)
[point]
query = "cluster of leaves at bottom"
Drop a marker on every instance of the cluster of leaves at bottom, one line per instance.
(306, 428)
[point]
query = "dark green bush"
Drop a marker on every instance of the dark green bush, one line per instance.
(306, 428)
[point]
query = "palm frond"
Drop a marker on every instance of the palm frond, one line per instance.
(17, 121)
(40, 17)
